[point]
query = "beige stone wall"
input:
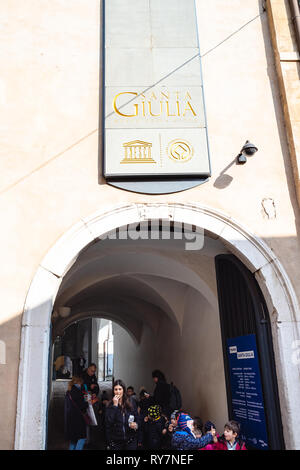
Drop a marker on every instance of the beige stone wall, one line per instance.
(49, 92)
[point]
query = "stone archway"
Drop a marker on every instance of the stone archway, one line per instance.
(252, 251)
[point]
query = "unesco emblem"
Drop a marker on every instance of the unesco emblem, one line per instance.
(180, 151)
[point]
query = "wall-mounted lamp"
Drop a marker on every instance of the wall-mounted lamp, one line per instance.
(248, 149)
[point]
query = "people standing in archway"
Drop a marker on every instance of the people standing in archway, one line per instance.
(90, 386)
(162, 392)
(121, 420)
(79, 365)
(154, 429)
(145, 401)
(132, 395)
(75, 409)
(90, 379)
(171, 429)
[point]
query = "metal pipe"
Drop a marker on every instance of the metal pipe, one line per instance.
(295, 11)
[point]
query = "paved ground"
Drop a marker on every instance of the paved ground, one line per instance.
(56, 438)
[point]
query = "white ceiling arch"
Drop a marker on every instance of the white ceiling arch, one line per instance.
(133, 327)
(140, 265)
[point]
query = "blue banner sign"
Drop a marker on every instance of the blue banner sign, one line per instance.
(246, 390)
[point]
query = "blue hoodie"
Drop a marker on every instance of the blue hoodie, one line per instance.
(184, 440)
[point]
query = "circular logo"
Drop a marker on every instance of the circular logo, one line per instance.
(180, 150)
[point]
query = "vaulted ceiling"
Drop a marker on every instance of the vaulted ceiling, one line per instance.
(136, 283)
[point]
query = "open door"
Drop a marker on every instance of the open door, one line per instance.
(251, 382)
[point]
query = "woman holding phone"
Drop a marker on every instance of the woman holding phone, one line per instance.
(121, 420)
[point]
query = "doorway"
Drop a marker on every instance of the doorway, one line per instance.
(57, 267)
(170, 313)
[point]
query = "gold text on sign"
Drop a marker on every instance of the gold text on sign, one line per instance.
(155, 104)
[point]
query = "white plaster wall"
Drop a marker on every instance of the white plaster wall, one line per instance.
(133, 363)
(193, 360)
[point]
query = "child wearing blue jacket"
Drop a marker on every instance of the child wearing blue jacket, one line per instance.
(184, 438)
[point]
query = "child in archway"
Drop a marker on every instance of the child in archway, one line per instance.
(207, 429)
(198, 427)
(154, 428)
(184, 438)
(230, 440)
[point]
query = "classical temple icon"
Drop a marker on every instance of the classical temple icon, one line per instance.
(137, 151)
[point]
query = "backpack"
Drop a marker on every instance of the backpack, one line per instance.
(175, 398)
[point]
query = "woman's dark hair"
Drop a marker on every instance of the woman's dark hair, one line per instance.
(159, 375)
(125, 400)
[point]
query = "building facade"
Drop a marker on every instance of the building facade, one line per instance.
(65, 199)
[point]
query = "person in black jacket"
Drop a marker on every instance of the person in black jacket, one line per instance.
(90, 385)
(75, 408)
(144, 402)
(154, 428)
(90, 379)
(171, 427)
(121, 420)
(162, 392)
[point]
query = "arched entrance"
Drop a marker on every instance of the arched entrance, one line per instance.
(259, 259)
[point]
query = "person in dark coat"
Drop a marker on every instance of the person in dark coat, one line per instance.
(121, 420)
(132, 395)
(144, 402)
(90, 379)
(75, 408)
(162, 392)
(90, 385)
(78, 365)
(171, 427)
(154, 428)
(104, 402)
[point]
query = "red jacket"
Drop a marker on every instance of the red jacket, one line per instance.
(222, 445)
(211, 446)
